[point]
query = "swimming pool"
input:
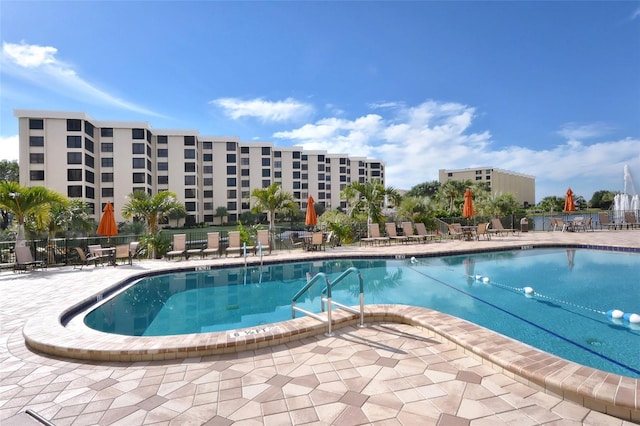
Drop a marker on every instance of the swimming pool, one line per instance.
(566, 317)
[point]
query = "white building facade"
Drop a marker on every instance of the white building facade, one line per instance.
(105, 161)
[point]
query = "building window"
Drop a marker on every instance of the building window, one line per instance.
(231, 170)
(106, 162)
(106, 177)
(89, 160)
(245, 184)
(231, 158)
(74, 158)
(245, 195)
(244, 150)
(487, 177)
(190, 206)
(208, 194)
(106, 132)
(137, 134)
(296, 165)
(232, 193)
(139, 178)
(207, 145)
(90, 192)
(231, 146)
(163, 139)
(74, 141)
(207, 181)
(138, 163)
(207, 169)
(449, 174)
(36, 124)
(190, 193)
(478, 177)
(137, 148)
(107, 192)
(277, 175)
(296, 175)
(244, 161)
(266, 150)
(88, 128)
(88, 144)
(244, 172)
(163, 166)
(277, 164)
(478, 172)
(36, 140)
(163, 180)
(266, 162)
(189, 140)
(190, 180)
(231, 181)
(106, 147)
(74, 191)
(190, 167)
(74, 125)
(163, 153)
(232, 205)
(296, 185)
(277, 154)
(207, 157)
(36, 174)
(266, 183)
(89, 176)
(488, 171)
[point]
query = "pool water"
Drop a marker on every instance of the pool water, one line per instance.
(567, 316)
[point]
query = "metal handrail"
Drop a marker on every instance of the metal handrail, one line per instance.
(330, 303)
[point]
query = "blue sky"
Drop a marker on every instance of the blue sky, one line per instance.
(549, 89)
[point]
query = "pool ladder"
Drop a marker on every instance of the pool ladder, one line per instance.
(326, 298)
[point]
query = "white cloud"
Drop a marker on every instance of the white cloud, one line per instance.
(266, 111)
(9, 148)
(417, 141)
(39, 66)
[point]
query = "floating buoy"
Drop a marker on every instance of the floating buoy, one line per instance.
(615, 313)
(414, 260)
(632, 318)
(478, 277)
(485, 280)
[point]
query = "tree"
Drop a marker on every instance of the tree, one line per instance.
(368, 199)
(272, 200)
(73, 216)
(30, 206)
(9, 171)
(452, 192)
(152, 209)
(221, 212)
(602, 199)
(497, 205)
(426, 189)
(551, 203)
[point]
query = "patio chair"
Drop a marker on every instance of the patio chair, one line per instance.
(263, 240)
(233, 243)
(295, 240)
(630, 220)
(213, 244)
(455, 232)
(374, 235)
(583, 225)
(605, 221)
(317, 241)
(421, 230)
(85, 260)
(97, 253)
(123, 252)
(134, 249)
(482, 231)
(194, 250)
(407, 230)
(179, 247)
(390, 227)
(24, 260)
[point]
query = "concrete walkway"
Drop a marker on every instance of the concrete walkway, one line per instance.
(387, 373)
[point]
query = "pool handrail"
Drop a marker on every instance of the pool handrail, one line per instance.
(342, 276)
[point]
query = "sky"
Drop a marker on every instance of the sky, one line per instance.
(549, 89)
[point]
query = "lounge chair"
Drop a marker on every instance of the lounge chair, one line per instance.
(630, 220)
(213, 244)
(97, 252)
(317, 241)
(233, 243)
(421, 230)
(498, 229)
(134, 247)
(455, 232)
(123, 252)
(24, 260)
(393, 235)
(193, 251)
(407, 230)
(582, 225)
(263, 240)
(374, 235)
(86, 259)
(605, 221)
(482, 231)
(179, 247)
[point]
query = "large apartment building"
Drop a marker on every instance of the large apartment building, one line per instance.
(105, 161)
(522, 186)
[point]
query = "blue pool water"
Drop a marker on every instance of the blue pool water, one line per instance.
(574, 289)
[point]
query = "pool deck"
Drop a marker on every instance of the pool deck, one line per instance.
(407, 366)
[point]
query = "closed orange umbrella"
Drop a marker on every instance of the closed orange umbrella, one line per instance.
(467, 209)
(311, 219)
(107, 226)
(569, 204)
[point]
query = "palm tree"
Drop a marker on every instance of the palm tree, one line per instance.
(29, 205)
(453, 190)
(272, 200)
(152, 209)
(369, 197)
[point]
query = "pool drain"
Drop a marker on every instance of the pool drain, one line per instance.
(595, 342)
